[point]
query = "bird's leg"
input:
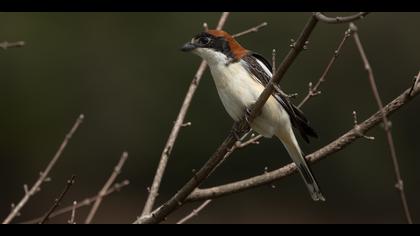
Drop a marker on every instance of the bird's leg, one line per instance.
(235, 131)
(237, 128)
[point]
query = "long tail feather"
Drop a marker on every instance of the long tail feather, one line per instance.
(298, 158)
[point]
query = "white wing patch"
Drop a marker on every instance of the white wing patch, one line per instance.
(266, 70)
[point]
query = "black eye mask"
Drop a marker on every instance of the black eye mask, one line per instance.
(216, 43)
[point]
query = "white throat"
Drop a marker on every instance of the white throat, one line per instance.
(212, 57)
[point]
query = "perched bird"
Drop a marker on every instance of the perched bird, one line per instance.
(240, 76)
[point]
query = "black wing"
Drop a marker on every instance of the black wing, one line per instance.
(297, 117)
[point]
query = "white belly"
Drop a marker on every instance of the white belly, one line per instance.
(238, 90)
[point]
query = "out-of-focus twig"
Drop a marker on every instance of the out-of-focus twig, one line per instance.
(251, 30)
(399, 181)
(86, 202)
(339, 19)
(73, 214)
(154, 189)
(58, 200)
(43, 175)
(6, 45)
(313, 89)
(104, 190)
(194, 212)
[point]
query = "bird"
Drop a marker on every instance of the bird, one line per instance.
(240, 76)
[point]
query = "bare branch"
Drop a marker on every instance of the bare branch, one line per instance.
(251, 30)
(58, 200)
(399, 185)
(333, 147)
(6, 45)
(104, 190)
(240, 128)
(222, 20)
(43, 175)
(194, 212)
(86, 202)
(284, 66)
(339, 19)
(154, 189)
(73, 214)
(313, 90)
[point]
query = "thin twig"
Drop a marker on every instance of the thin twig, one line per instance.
(154, 189)
(338, 144)
(273, 61)
(252, 140)
(240, 128)
(43, 175)
(73, 214)
(340, 19)
(357, 127)
(109, 182)
(251, 30)
(194, 212)
(399, 182)
(86, 202)
(313, 90)
(6, 45)
(58, 200)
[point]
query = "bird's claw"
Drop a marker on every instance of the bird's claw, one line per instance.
(235, 131)
(248, 115)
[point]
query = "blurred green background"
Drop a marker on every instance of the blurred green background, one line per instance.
(125, 72)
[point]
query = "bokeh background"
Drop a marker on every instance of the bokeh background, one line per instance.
(125, 72)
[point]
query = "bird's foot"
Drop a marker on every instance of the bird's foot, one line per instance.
(235, 131)
(248, 115)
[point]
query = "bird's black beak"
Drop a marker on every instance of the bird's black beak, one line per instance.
(188, 47)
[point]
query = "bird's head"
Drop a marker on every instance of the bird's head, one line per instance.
(215, 46)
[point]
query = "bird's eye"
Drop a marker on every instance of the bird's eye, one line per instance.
(204, 40)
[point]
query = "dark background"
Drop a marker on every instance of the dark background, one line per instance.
(125, 72)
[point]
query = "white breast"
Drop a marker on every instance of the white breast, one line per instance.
(238, 90)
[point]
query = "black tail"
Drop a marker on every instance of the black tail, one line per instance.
(310, 180)
(302, 124)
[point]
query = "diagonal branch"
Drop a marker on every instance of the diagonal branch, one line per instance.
(58, 200)
(335, 146)
(251, 30)
(194, 212)
(339, 19)
(86, 202)
(104, 190)
(400, 184)
(313, 90)
(154, 189)
(43, 175)
(241, 128)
